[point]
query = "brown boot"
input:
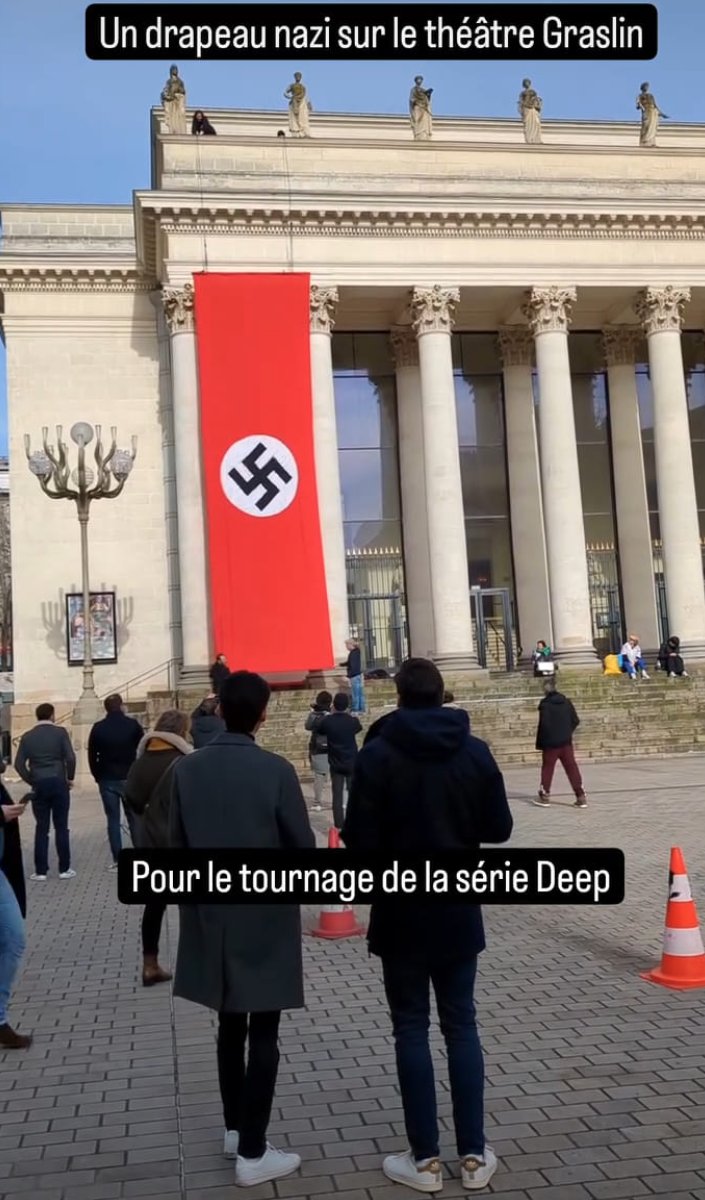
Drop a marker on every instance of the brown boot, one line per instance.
(152, 973)
(9, 1040)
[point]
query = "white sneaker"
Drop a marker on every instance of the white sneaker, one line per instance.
(70, 874)
(38, 878)
(274, 1164)
(425, 1176)
(684, 675)
(477, 1172)
(113, 867)
(231, 1142)
(645, 675)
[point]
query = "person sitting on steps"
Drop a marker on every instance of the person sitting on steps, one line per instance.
(670, 659)
(633, 661)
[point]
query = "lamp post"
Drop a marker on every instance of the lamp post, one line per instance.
(51, 467)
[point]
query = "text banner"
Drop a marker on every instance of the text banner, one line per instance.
(592, 876)
(372, 31)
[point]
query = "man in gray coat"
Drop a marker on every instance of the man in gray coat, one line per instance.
(243, 961)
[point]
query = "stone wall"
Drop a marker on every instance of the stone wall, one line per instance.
(78, 354)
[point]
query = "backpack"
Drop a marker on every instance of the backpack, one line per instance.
(319, 742)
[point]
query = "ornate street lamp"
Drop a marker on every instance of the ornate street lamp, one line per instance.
(55, 476)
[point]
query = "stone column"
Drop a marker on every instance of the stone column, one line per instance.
(661, 312)
(454, 649)
(412, 479)
(330, 501)
(548, 313)
(636, 560)
(193, 568)
(525, 501)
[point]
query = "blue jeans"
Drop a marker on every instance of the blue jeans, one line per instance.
(632, 668)
(112, 793)
(51, 804)
(358, 694)
(12, 943)
(407, 984)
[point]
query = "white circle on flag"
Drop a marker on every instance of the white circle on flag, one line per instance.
(259, 475)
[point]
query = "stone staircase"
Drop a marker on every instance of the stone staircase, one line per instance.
(619, 719)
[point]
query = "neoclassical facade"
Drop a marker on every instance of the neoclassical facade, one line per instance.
(508, 382)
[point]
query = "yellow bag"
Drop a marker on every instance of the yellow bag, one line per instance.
(611, 665)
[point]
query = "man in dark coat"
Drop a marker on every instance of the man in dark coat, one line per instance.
(112, 749)
(219, 672)
(421, 784)
(243, 961)
(558, 721)
(13, 910)
(340, 730)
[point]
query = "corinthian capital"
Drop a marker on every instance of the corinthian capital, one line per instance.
(178, 308)
(516, 346)
(620, 344)
(322, 306)
(433, 309)
(548, 309)
(662, 309)
(405, 347)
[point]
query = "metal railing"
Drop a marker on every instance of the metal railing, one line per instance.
(170, 666)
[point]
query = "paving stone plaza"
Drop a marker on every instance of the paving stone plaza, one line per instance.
(595, 1079)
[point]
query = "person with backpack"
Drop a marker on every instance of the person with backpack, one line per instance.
(148, 798)
(558, 721)
(318, 747)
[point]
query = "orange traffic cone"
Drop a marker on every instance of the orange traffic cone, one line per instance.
(683, 960)
(336, 921)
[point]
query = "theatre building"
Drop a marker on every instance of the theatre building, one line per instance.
(447, 396)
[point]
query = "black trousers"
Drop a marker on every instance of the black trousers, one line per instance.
(152, 918)
(247, 1089)
(340, 787)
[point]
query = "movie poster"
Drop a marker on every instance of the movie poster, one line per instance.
(103, 631)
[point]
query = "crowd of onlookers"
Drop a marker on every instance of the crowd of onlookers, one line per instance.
(420, 782)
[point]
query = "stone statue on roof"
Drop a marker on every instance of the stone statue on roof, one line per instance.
(420, 110)
(174, 101)
(530, 106)
(299, 108)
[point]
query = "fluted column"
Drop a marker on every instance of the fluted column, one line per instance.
(193, 569)
(454, 650)
(417, 563)
(661, 312)
(636, 560)
(548, 312)
(525, 501)
(330, 502)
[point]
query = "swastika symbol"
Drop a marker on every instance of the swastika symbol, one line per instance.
(259, 476)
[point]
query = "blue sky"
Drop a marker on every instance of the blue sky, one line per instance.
(77, 131)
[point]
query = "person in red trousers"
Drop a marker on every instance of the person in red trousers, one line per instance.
(558, 721)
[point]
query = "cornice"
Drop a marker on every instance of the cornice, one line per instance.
(70, 278)
(226, 220)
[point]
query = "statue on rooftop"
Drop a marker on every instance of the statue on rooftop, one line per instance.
(530, 106)
(650, 113)
(174, 101)
(420, 113)
(299, 108)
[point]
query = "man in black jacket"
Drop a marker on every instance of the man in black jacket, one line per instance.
(558, 721)
(219, 672)
(205, 723)
(340, 731)
(421, 784)
(112, 749)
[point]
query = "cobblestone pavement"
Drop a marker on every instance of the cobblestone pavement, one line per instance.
(595, 1079)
